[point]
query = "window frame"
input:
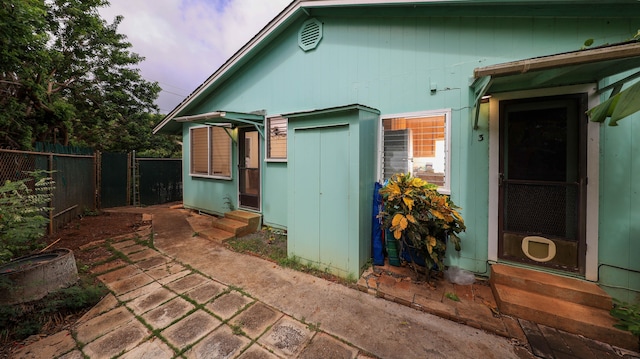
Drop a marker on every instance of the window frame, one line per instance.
(267, 143)
(209, 173)
(446, 188)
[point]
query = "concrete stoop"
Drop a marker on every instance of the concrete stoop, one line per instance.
(233, 224)
(573, 305)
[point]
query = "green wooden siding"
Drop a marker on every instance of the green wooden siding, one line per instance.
(332, 171)
(390, 63)
(619, 244)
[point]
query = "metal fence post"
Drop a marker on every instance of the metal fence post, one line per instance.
(133, 180)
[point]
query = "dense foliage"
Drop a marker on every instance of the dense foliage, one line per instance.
(23, 204)
(67, 76)
(420, 218)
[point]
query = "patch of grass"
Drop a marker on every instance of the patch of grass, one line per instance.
(237, 329)
(267, 243)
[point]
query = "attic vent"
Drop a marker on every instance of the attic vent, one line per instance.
(310, 34)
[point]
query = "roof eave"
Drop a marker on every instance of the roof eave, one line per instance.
(272, 27)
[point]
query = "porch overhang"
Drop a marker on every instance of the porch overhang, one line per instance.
(226, 119)
(571, 68)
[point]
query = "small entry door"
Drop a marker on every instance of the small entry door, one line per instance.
(542, 182)
(249, 168)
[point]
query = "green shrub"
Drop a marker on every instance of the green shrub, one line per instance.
(421, 218)
(628, 316)
(23, 204)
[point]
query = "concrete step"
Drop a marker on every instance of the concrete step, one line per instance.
(594, 323)
(230, 225)
(253, 220)
(217, 234)
(201, 225)
(569, 289)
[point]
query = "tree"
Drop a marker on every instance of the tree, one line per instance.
(67, 76)
(620, 105)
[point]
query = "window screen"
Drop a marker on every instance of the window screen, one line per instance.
(417, 144)
(277, 138)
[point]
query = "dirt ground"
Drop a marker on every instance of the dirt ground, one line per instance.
(87, 229)
(79, 232)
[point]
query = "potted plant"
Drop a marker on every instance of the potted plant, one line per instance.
(421, 219)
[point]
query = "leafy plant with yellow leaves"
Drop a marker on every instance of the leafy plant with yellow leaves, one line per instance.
(421, 218)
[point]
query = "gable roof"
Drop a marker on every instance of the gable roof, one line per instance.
(303, 8)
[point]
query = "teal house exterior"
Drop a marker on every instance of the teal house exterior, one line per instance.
(487, 99)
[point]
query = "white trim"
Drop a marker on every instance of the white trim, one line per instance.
(446, 189)
(593, 170)
(593, 190)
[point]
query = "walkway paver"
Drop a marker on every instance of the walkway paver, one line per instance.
(192, 298)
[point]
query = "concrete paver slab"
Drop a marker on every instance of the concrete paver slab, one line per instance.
(144, 254)
(151, 300)
(165, 270)
(74, 354)
(138, 292)
(119, 274)
(49, 347)
(186, 283)
(129, 250)
(190, 329)
(324, 346)
(173, 277)
(108, 266)
(130, 283)
(226, 306)
(167, 313)
(257, 352)
(220, 344)
(287, 337)
(256, 319)
(102, 324)
(151, 349)
(125, 338)
(153, 261)
(104, 305)
(205, 292)
(123, 243)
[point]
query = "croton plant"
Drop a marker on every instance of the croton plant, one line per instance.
(420, 218)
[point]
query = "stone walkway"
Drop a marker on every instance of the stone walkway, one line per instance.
(192, 298)
(159, 307)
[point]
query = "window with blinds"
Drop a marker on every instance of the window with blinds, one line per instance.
(210, 152)
(277, 138)
(418, 144)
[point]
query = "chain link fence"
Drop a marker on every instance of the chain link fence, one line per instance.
(86, 183)
(74, 176)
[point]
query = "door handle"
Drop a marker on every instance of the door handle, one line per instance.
(500, 179)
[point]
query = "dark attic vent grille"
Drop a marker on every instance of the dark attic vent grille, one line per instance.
(310, 34)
